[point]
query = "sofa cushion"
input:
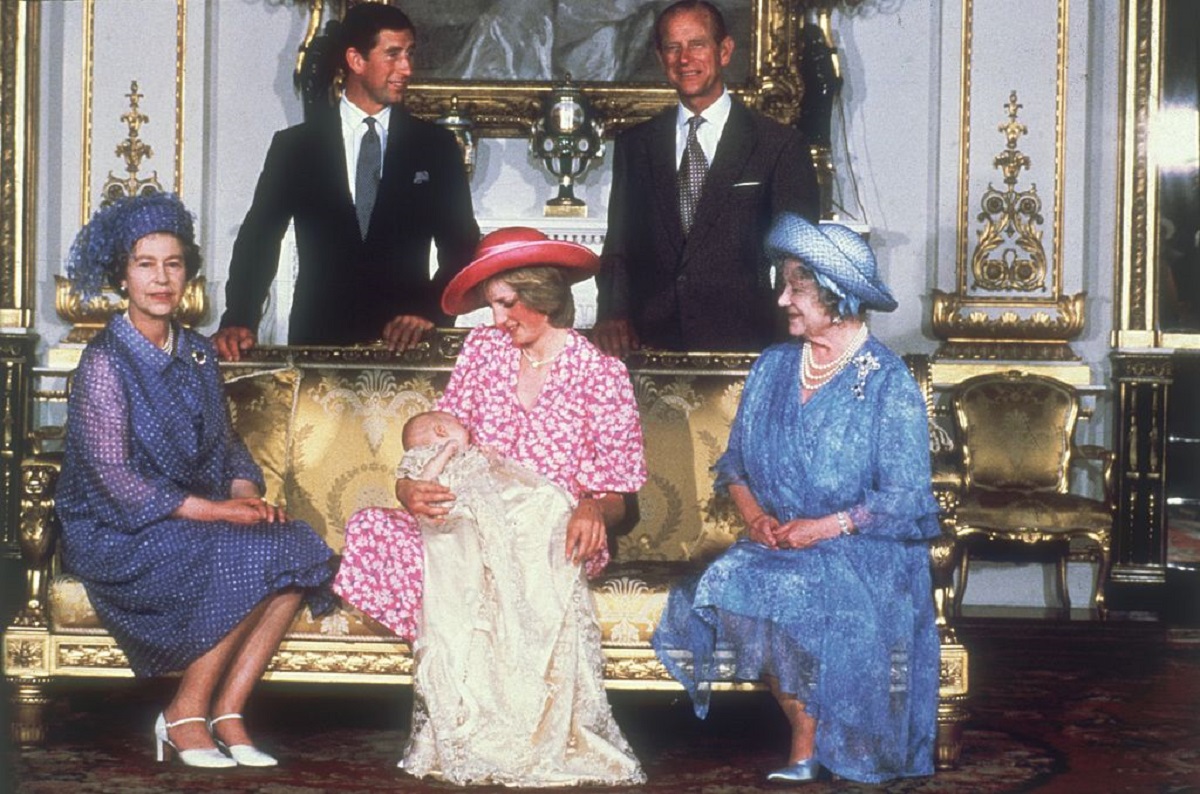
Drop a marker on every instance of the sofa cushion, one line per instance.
(261, 405)
(631, 596)
(685, 422)
(71, 612)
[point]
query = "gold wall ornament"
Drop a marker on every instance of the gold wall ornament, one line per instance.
(88, 317)
(133, 150)
(1009, 255)
(1008, 301)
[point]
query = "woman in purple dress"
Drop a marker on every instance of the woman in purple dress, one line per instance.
(828, 597)
(160, 502)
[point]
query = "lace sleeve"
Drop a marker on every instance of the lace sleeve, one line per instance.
(414, 462)
(730, 468)
(899, 503)
(99, 443)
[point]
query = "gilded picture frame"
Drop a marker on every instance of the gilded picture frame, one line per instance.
(507, 108)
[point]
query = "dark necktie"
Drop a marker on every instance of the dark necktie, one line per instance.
(366, 176)
(692, 169)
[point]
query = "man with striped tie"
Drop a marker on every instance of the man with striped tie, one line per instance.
(693, 194)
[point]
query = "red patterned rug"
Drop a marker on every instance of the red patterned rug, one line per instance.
(1057, 707)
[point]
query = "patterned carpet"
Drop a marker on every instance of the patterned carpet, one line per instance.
(1058, 707)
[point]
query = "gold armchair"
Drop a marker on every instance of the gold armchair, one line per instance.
(1017, 435)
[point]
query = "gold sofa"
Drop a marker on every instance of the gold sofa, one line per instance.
(325, 426)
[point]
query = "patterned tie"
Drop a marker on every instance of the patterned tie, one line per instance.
(692, 170)
(366, 176)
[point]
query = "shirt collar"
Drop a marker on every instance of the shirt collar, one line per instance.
(353, 116)
(715, 114)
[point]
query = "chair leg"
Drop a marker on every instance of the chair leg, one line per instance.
(30, 703)
(1064, 589)
(964, 561)
(1101, 579)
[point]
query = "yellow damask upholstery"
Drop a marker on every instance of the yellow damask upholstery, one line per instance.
(346, 445)
(260, 406)
(1017, 435)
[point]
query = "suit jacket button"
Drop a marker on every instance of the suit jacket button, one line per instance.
(681, 279)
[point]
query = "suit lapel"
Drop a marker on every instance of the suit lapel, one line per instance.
(328, 128)
(329, 155)
(397, 165)
(664, 175)
(735, 148)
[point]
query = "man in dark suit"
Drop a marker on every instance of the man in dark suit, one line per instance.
(688, 272)
(369, 187)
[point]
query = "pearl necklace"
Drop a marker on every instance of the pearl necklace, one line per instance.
(537, 363)
(813, 375)
(169, 345)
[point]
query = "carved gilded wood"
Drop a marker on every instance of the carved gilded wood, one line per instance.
(19, 39)
(1008, 302)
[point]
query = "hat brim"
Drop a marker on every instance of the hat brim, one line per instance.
(577, 262)
(794, 238)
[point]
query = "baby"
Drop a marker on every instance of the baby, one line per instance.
(486, 486)
(497, 584)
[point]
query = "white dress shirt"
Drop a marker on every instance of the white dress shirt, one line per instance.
(354, 127)
(709, 133)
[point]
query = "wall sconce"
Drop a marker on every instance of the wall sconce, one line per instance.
(462, 125)
(567, 137)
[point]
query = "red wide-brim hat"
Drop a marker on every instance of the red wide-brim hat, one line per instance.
(508, 249)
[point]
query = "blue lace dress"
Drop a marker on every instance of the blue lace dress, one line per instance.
(847, 625)
(146, 429)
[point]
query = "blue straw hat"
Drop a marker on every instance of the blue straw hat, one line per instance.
(840, 258)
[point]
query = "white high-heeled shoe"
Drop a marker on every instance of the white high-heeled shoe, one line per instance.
(243, 754)
(210, 758)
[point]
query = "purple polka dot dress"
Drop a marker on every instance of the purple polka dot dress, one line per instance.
(146, 429)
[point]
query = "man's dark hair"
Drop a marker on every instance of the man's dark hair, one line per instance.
(716, 21)
(361, 26)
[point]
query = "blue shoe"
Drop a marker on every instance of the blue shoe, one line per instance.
(799, 772)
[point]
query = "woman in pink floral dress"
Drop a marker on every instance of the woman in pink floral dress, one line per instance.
(538, 393)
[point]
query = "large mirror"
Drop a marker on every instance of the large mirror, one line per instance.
(499, 57)
(1177, 144)
(1158, 311)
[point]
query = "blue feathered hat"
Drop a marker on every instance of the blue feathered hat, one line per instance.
(101, 249)
(840, 259)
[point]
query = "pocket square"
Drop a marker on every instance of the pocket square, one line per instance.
(420, 178)
(746, 184)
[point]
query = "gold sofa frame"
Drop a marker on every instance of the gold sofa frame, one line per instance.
(35, 656)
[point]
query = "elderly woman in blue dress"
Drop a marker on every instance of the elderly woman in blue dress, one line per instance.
(828, 596)
(185, 564)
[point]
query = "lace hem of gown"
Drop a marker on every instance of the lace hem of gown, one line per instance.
(508, 687)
